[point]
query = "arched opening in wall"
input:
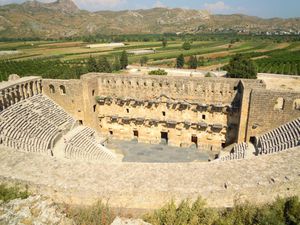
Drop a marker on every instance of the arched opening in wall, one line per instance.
(279, 104)
(253, 140)
(164, 138)
(111, 133)
(296, 104)
(136, 134)
(62, 89)
(94, 108)
(51, 89)
(194, 140)
(93, 92)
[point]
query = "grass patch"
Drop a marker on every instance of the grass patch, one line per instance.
(10, 193)
(97, 214)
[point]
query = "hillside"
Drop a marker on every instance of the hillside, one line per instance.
(64, 19)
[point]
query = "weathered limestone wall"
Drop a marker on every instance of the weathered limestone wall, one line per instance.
(188, 109)
(203, 90)
(89, 92)
(245, 89)
(270, 109)
(148, 120)
(68, 94)
(220, 96)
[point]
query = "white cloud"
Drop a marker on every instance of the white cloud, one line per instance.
(217, 7)
(159, 4)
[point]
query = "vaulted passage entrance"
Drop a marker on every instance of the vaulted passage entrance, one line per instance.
(135, 133)
(194, 140)
(164, 137)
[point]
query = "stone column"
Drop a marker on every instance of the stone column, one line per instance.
(1, 102)
(4, 102)
(21, 90)
(35, 88)
(26, 90)
(12, 96)
(41, 86)
(31, 89)
(38, 87)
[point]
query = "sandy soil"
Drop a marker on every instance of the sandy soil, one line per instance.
(280, 82)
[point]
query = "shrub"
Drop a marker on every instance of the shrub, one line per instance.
(144, 60)
(282, 211)
(158, 72)
(208, 74)
(10, 193)
(98, 214)
(186, 45)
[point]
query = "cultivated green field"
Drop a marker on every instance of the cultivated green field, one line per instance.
(63, 59)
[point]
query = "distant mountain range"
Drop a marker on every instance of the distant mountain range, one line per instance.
(64, 19)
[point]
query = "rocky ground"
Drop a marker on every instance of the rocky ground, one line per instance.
(125, 221)
(33, 210)
(38, 210)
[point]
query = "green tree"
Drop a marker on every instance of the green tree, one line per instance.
(180, 61)
(186, 45)
(193, 62)
(124, 60)
(201, 61)
(164, 42)
(92, 65)
(144, 60)
(104, 65)
(116, 64)
(241, 66)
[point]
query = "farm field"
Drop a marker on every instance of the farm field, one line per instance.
(63, 59)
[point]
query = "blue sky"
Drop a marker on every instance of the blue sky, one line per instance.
(262, 8)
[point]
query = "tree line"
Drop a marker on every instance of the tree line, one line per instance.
(57, 69)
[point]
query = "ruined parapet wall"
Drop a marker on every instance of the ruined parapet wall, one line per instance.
(67, 94)
(18, 89)
(270, 109)
(203, 90)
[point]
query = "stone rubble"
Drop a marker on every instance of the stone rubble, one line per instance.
(125, 221)
(35, 210)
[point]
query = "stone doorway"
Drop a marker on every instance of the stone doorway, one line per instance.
(136, 134)
(194, 140)
(164, 137)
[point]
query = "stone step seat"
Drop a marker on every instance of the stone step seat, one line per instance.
(84, 146)
(34, 124)
(281, 138)
(36, 121)
(238, 152)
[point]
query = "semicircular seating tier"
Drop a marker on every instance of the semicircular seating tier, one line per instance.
(36, 124)
(282, 138)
